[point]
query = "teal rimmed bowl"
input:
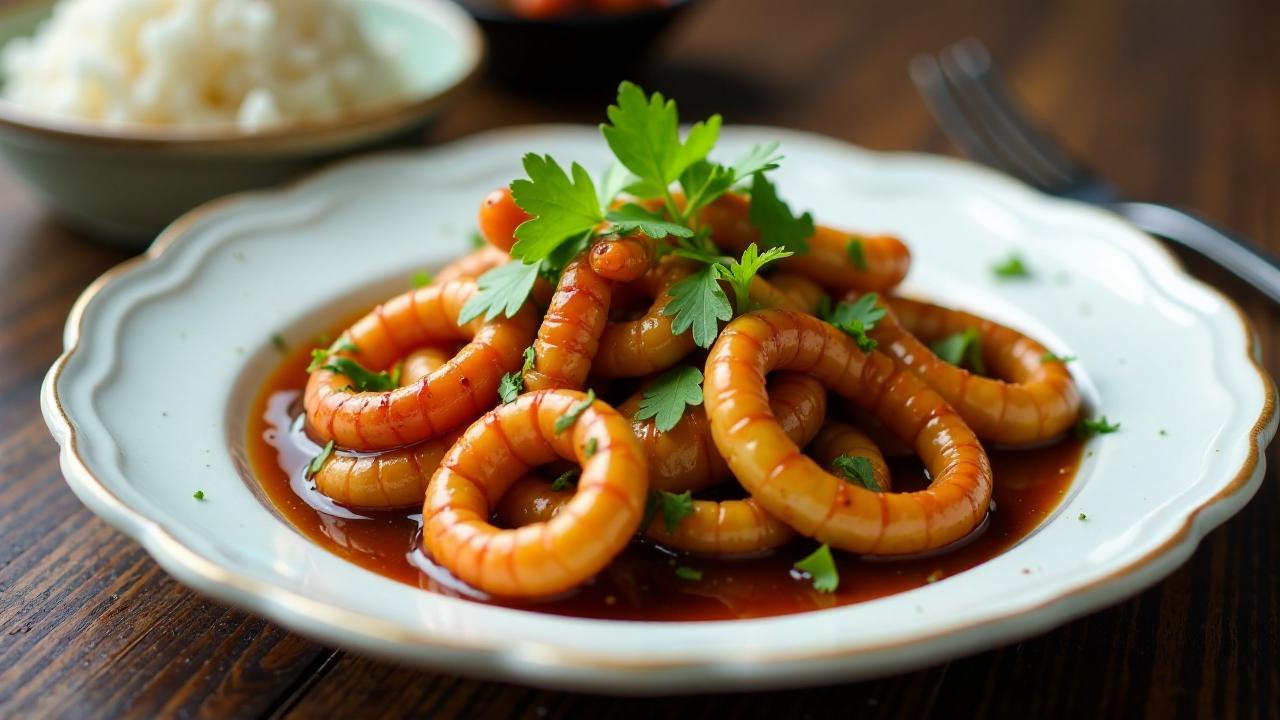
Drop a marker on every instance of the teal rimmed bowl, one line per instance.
(124, 183)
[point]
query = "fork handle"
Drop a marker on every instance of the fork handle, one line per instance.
(1237, 255)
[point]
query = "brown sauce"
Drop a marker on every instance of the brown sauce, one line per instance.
(641, 584)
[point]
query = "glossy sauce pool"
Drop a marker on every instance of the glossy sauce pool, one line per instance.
(642, 583)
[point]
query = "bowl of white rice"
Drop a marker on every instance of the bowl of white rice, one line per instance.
(124, 114)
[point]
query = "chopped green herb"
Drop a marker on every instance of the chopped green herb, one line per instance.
(739, 273)
(963, 349)
(644, 135)
(566, 478)
(1082, 517)
(561, 208)
(1050, 357)
(420, 279)
(857, 470)
(667, 396)
(566, 421)
(1088, 427)
(512, 383)
(361, 379)
(1163, 432)
(344, 344)
(278, 340)
(1012, 267)
(820, 566)
(477, 240)
(674, 508)
(589, 451)
(318, 461)
(501, 291)
(857, 254)
(698, 303)
(199, 495)
(858, 319)
(632, 217)
(778, 227)
(688, 573)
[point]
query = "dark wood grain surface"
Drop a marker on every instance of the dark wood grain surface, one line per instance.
(1172, 99)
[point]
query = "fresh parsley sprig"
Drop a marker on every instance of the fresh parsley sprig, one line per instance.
(512, 383)
(820, 567)
(566, 421)
(740, 273)
(675, 507)
(963, 349)
(1088, 427)
(857, 470)
(857, 319)
(666, 398)
(363, 380)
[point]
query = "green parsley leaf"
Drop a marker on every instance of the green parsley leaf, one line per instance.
(740, 272)
(963, 348)
(318, 461)
(318, 358)
(669, 394)
(688, 573)
(759, 159)
(199, 495)
(361, 379)
(344, 344)
(561, 208)
(502, 291)
(512, 383)
(858, 319)
(857, 254)
(698, 302)
(820, 566)
(1082, 517)
(1050, 357)
(566, 421)
(278, 340)
(644, 135)
(631, 217)
(674, 508)
(589, 451)
(613, 182)
(703, 182)
(1088, 427)
(420, 279)
(566, 478)
(773, 218)
(1012, 267)
(857, 470)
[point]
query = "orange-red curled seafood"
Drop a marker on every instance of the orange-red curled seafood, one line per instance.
(623, 258)
(459, 391)
(499, 217)
(570, 333)
(876, 263)
(634, 348)
(549, 557)
(837, 438)
(422, 362)
(804, 293)
(685, 458)
(801, 493)
(1033, 400)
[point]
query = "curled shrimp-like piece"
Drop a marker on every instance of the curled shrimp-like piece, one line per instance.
(499, 217)
(472, 265)
(570, 334)
(395, 478)
(646, 345)
(876, 263)
(548, 557)
(801, 493)
(837, 438)
(685, 458)
(454, 394)
(623, 258)
(1032, 401)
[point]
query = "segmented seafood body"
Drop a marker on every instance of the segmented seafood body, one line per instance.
(498, 218)
(570, 334)
(1034, 400)
(801, 493)
(391, 479)
(646, 345)
(805, 294)
(837, 260)
(548, 557)
(452, 395)
(624, 258)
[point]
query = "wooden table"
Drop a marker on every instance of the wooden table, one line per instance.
(1174, 100)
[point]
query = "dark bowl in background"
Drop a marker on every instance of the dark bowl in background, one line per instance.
(574, 49)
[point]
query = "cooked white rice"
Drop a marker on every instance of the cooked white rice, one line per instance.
(251, 63)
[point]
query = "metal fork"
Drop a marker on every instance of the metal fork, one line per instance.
(980, 114)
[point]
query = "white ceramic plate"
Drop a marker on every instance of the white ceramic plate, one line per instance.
(165, 353)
